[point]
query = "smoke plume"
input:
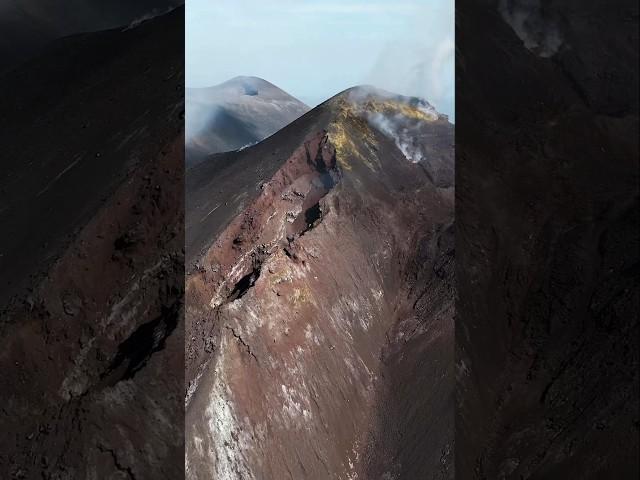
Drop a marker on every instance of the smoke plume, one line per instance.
(536, 27)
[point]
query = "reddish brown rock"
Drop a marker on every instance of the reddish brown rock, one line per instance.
(320, 303)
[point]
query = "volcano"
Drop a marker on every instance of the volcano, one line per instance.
(319, 302)
(235, 114)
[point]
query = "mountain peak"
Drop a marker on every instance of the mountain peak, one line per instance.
(362, 116)
(367, 99)
(248, 79)
(251, 84)
(240, 111)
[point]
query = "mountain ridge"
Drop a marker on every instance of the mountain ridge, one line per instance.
(319, 266)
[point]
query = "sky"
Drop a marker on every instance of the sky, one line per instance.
(314, 49)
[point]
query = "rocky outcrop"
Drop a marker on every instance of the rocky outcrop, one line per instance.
(320, 303)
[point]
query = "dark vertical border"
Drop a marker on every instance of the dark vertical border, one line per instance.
(91, 256)
(547, 239)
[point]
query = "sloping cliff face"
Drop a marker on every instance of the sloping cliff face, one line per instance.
(547, 241)
(91, 344)
(320, 299)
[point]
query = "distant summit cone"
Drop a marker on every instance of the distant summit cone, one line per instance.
(251, 86)
(234, 114)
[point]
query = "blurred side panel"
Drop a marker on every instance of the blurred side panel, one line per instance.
(547, 239)
(91, 256)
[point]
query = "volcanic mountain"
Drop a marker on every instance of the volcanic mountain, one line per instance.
(90, 257)
(234, 114)
(319, 303)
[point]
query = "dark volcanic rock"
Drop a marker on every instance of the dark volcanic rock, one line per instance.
(547, 240)
(320, 299)
(91, 342)
(27, 26)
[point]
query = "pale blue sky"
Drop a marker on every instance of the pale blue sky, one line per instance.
(314, 49)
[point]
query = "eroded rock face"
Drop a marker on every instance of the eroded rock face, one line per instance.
(320, 312)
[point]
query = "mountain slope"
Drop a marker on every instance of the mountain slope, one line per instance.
(90, 261)
(320, 298)
(27, 26)
(236, 113)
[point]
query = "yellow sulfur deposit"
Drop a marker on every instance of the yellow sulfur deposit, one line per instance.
(341, 131)
(390, 107)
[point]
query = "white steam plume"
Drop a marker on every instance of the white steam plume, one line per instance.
(537, 28)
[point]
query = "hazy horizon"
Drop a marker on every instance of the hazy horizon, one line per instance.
(314, 49)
